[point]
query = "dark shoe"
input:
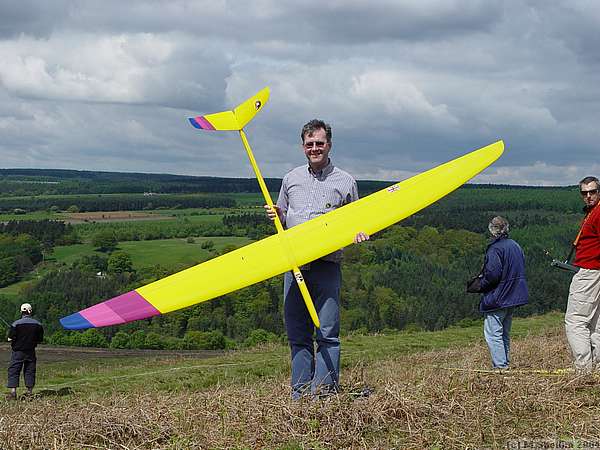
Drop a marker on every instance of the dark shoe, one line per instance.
(326, 390)
(11, 396)
(301, 391)
(361, 392)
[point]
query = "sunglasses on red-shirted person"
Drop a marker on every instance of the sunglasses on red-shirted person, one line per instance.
(590, 192)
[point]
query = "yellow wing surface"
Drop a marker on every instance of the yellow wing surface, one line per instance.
(306, 242)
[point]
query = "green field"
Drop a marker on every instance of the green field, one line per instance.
(166, 252)
(14, 290)
(251, 199)
(35, 215)
(86, 230)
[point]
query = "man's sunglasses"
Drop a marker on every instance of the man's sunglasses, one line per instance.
(591, 192)
(317, 144)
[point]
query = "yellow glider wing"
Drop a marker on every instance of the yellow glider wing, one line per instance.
(309, 241)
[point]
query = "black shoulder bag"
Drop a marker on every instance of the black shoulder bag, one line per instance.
(474, 283)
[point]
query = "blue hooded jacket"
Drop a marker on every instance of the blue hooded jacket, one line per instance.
(503, 283)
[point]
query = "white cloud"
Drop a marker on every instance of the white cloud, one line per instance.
(406, 85)
(99, 68)
(538, 174)
(397, 98)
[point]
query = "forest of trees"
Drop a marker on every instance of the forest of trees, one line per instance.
(18, 255)
(47, 232)
(405, 277)
(409, 276)
(22, 244)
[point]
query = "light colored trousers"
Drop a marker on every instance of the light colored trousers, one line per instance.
(581, 319)
(496, 329)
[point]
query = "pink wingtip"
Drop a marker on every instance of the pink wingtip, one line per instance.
(124, 308)
(201, 123)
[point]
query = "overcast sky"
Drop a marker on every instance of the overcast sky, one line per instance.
(406, 85)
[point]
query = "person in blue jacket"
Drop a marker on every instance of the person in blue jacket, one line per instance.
(504, 287)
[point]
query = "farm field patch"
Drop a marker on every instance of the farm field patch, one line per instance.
(113, 216)
(166, 252)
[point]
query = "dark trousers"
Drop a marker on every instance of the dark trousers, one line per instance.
(312, 370)
(21, 360)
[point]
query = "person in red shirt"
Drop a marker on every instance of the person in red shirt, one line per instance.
(583, 307)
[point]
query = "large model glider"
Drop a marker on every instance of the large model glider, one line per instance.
(271, 256)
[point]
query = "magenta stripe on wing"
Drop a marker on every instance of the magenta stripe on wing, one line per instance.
(132, 306)
(205, 124)
(101, 315)
(124, 308)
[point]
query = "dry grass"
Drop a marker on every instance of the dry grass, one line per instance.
(428, 400)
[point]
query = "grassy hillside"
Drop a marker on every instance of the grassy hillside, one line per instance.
(431, 390)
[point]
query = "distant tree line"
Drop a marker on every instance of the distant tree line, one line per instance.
(23, 182)
(20, 182)
(124, 202)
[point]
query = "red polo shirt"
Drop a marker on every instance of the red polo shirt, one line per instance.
(587, 254)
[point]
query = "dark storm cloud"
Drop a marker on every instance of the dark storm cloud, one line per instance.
(575, 23)
(36, 18)
(364, 22)
(343, 22)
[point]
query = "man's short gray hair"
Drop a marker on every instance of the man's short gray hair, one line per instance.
(498, 226)
(588, 180)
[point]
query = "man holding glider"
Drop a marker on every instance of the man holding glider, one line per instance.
(24, 336)
(583, 307)
(306, 192)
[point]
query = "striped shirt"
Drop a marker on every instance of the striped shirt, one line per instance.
(306, 194)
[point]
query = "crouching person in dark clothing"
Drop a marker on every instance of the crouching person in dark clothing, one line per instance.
(504, 287)
(24, 335)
